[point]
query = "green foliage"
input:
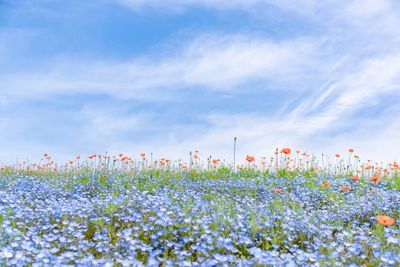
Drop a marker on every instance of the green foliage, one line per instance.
(394, 182)
(89, 234)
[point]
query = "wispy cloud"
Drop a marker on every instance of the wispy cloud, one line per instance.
(249, 5)
(210, 62)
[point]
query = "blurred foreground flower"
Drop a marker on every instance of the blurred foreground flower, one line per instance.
(385, 220)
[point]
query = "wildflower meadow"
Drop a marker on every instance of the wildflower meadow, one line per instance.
(289, 209)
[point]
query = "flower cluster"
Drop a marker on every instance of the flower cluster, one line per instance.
(203, 218)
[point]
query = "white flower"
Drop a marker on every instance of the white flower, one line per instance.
(7, 254)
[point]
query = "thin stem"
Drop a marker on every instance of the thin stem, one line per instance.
(234, 154)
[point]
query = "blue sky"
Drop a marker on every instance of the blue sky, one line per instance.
(131, 76)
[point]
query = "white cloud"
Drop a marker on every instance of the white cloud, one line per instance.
(179, 4)
(228, 62)
(105, 123)
(302, 6)
(367, 8)
(213, 62)
(359, 7)
(369, 15)
(375, 79)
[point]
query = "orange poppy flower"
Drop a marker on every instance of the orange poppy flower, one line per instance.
(369, 167)
(375, 179)
(351, 150)
(286, 151)
(278, 190)
(394, 166)
(355, 178)
(385, 220)
(326, 184)
(346, 188)
(215, 161)
(337, 155)
(250, 158)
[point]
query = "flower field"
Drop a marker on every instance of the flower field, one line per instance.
(290, 209)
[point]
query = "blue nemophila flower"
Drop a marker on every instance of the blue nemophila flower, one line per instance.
(205, 222)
